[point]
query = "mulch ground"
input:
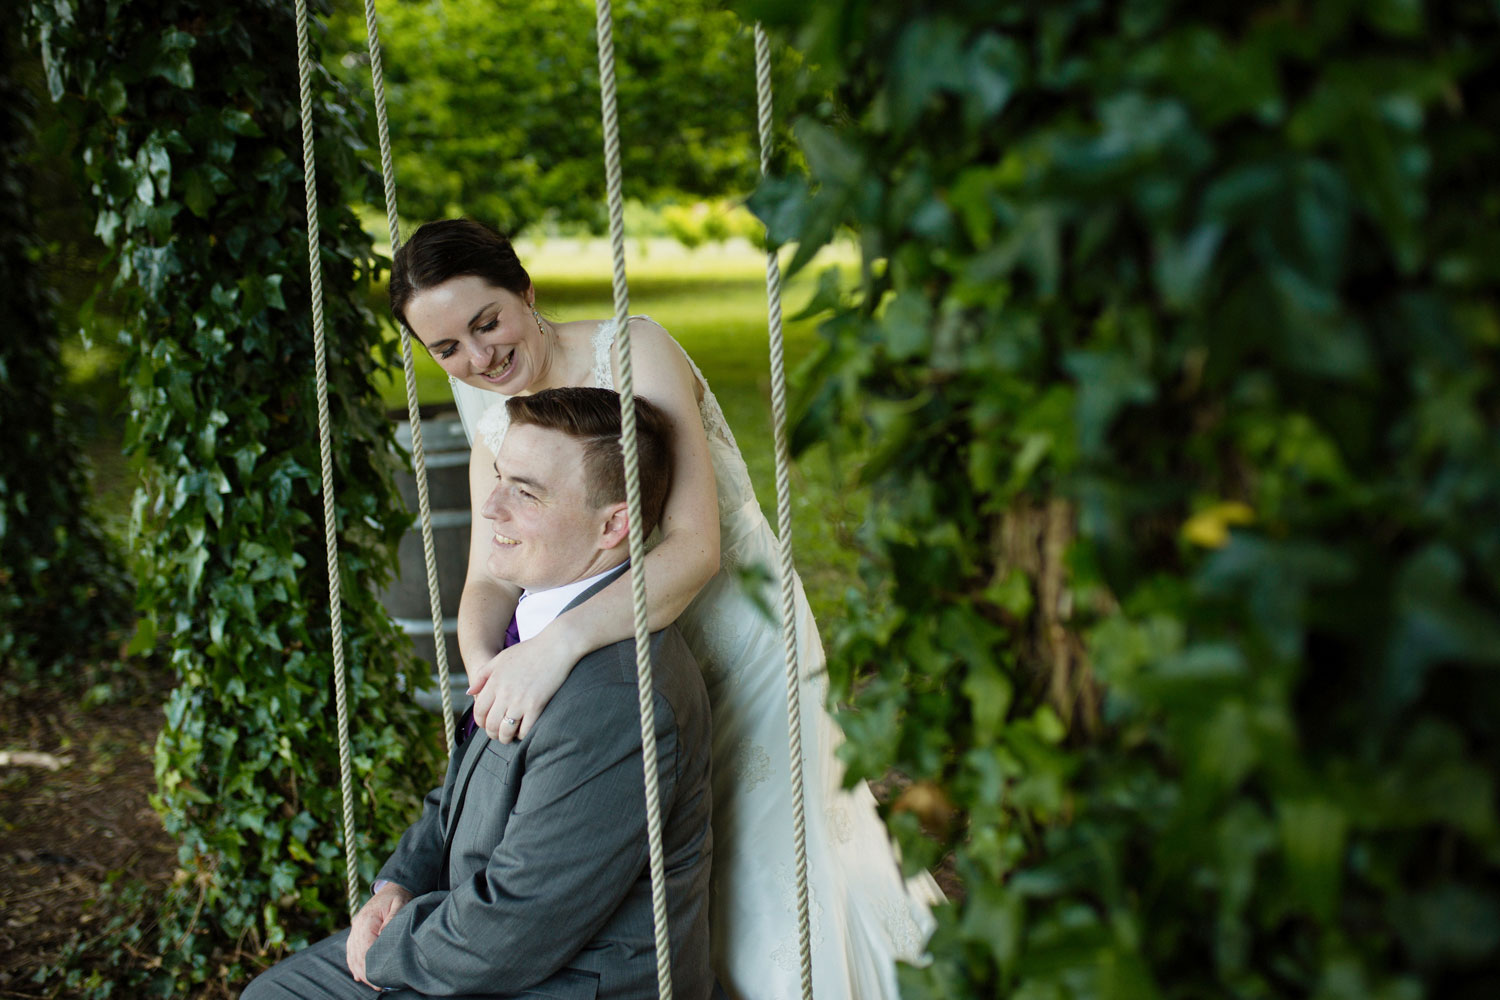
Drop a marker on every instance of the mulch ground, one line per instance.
(74, 816)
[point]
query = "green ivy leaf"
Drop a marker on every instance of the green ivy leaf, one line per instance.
(1313, 835)
(198, 193)
(111, 96)
(240, 123)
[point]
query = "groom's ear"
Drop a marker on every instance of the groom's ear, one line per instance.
(615, 529)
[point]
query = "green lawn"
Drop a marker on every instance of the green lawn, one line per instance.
(713, 300)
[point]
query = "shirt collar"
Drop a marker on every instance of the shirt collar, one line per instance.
(537, 608)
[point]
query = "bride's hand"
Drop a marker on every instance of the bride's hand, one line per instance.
(518, 682)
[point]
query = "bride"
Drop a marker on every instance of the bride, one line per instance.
(461, 290)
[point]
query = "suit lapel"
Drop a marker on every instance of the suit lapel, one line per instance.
(597, 586)
(474, 749)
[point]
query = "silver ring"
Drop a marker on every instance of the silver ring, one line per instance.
(509, 721)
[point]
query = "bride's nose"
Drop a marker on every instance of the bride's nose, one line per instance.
(480, 353)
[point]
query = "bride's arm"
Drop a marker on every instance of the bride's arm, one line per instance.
(486, 606)
(525, 677)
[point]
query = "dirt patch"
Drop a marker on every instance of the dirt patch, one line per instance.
(74, 814)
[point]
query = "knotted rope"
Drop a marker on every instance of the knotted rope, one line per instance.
(413, 410)
(325, 448)
(784, 532)
(646, 687)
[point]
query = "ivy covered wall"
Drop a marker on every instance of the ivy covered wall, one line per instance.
(1175, 349)
(191, 142)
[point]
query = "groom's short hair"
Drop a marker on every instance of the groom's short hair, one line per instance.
(592, 416)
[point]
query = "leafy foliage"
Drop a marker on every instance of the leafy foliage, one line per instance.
(64, 597)
(495, 110)
(1175, 350)
(188, 115)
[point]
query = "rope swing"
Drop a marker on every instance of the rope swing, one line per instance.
(408, 365)
(610, 126)
(645, 685)
(784, 530)
(325, 449)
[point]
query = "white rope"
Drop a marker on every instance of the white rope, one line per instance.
(646, 687)
(325, 447)
(413, 409)
(784, 531)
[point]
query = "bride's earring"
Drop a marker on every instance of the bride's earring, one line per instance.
(538, 317)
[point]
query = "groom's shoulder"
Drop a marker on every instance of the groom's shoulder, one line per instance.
(671, 661)
(609, 673)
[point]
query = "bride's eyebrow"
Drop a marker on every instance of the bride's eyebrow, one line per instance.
(474, 320)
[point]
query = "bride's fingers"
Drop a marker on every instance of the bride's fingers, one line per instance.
(482, 702)
(525, 726)
(508, 725)
(502, 711)
(479, 676)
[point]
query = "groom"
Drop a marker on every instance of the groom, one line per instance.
(527, 873)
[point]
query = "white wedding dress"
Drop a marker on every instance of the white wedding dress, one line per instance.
(864, 916)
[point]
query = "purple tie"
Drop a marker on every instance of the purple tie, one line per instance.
(467, 726)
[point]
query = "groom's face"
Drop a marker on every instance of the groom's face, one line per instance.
(545, 532)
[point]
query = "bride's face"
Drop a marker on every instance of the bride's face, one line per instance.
(482, 335)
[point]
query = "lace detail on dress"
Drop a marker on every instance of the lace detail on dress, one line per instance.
(840, 824)
(604, 369)
(750, 764)
(902, 931)
(493, 425)
(788, 955)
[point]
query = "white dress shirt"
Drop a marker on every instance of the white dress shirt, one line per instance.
(537, 608)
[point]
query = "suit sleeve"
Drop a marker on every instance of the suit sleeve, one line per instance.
(573, 847)
(416, 862)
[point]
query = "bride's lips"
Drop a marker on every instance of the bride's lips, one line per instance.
(498, 373)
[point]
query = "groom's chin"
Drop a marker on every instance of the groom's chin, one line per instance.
(502, 568)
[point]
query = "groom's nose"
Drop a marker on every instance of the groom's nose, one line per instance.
(491, 508)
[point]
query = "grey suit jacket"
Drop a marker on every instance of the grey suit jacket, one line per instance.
(530, 864)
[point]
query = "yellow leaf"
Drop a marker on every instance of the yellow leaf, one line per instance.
(1209, 527)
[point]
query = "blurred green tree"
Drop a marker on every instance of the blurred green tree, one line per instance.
(495, 109)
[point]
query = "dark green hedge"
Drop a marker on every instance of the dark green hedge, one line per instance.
(1175, 352)
(64, 597)
(188, 118)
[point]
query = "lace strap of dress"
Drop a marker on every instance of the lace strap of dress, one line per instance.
(493, 425)
(604, 369)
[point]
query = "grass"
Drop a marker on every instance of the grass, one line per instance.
(713, 301)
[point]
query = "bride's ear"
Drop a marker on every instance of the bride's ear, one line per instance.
(616, 527)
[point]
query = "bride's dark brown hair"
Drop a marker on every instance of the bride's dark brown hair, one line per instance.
(453, 248)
